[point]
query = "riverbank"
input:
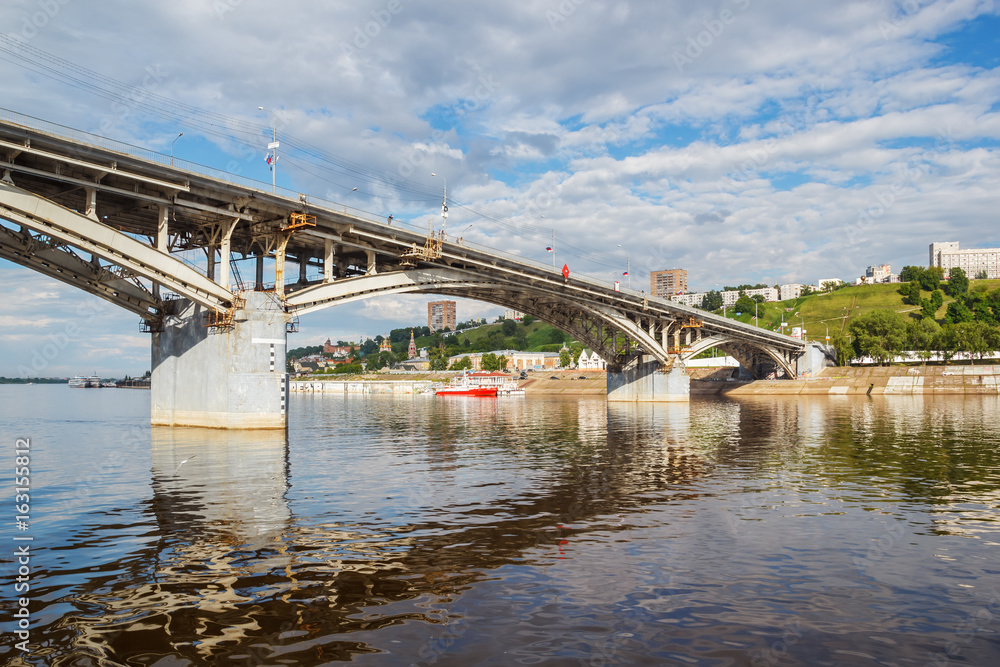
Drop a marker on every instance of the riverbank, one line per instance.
(837, 381)
(876, 380)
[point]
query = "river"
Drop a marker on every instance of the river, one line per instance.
(557, 531)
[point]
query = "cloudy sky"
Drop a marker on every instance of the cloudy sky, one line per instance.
(743, 140)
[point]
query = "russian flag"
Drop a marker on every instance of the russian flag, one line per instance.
(624, 273)
(548, 248)
(270, 158)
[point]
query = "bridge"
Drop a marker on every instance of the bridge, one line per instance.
(120, 222)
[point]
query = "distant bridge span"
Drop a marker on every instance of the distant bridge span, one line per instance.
(120, 222)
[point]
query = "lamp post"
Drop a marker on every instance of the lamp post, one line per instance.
(346, 196)
(273, 146)
(628, 266)
(179, 135)
(444, 205)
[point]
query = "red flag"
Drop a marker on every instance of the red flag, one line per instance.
(565, 272)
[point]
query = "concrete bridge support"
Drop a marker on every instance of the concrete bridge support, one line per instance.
(231, 376)
(644, 381)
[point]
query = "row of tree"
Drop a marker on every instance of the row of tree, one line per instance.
(884, 334)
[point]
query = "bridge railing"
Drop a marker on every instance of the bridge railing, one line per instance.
(97, 141)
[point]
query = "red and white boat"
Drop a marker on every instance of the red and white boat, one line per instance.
(481, 383)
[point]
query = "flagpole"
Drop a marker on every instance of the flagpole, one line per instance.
(553, 247)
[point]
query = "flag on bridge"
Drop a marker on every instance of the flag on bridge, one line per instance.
(270, 158)
(625, 273)
(548, 248)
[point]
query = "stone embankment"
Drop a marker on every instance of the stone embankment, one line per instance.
(853, 380)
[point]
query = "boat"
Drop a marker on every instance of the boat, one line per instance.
(481, 383)
(85, 382)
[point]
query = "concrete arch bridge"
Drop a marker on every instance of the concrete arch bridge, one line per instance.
(162, 238)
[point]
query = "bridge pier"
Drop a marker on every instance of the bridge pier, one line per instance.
(646, 382)
(230, 376)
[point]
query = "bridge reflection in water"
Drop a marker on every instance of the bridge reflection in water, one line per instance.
(408, 531)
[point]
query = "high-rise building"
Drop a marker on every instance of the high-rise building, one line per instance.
(667, 283)
(974, 262)
(440, 315)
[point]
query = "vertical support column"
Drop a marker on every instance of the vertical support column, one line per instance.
(279, 265)
(233, 378)
(91, 207)
(371, 263)
(210, 270)
(224, 254)
(328, 261)
(162, 238)
(259, 284)
(664, 337)
(303, 267)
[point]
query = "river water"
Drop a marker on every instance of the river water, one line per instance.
(399, 531)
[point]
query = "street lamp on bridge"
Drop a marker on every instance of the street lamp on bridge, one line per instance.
(272, 158)
(345, 198)
(179, 135)
(444, 205)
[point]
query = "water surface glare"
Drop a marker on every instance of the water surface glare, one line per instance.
(557, 531)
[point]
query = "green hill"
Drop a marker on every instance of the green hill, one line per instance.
(834, 310)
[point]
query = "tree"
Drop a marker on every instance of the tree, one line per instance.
(565, 359)
(806, 290)
(520, 340)
(920, 337)
(957, 313)
(911, 293)
(840, 343)
(463, 364)
(490, 362)
(744, 304)
(958, 283)
(527, 319)
(509, 327)
(711, 301)
(974, 338)
(502, 362)
(929, 307)
(947, 342)
(982, 275)
(931, 278)
(911, 273)
(879, 334)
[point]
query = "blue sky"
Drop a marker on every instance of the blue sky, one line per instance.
(742, 140)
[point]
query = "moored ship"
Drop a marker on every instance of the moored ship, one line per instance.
(85, 382)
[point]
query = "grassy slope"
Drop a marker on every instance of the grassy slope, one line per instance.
(835, 309)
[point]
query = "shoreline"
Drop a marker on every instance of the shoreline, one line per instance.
(834, 381)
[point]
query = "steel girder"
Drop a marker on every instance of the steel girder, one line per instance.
(597, 325)
(753, 356)
(71, 228)
(64, 265)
